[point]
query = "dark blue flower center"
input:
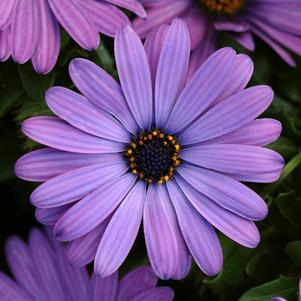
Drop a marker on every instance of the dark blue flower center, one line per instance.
(153, 156)
(228, 7)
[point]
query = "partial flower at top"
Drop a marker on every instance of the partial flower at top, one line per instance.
(41, 272)
(276, 22)
(30, 29)
(157, 147)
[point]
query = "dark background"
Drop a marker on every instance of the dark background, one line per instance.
(271, 269)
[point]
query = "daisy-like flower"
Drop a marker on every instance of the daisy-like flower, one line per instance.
(168, 151)
(42, 272)
(30, 29)
(276, 22)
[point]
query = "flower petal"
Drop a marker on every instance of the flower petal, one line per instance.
(76, 184)
(48, 43)
(7, 9)
(107, 19)
(5, 44)
(82, 250)
(258, 132)
(134, 74)
(56, 133)
(106, 287)
(49, 216)
(241, 230)
(46, 163)
(74, 108)
(234, 158)
(23, 30)
(135, 282)
(132, 5)
(174, 59)
(71, 17)
(226, 192)
(121, 232)
(229, 115)
(90, 211)
(164, 242)
(199, 235)
(158, 293)
(202, 90)
(102, 90)
(153, 46)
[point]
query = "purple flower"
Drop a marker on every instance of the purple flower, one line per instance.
(168, 151)
(275, 22)
(30, 29)
(42, 272)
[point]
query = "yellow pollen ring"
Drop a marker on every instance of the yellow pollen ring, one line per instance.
(223, 6)
(143, 139)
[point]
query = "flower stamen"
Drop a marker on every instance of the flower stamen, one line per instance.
(228, 7)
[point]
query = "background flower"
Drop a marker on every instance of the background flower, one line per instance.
(275, 22)
(30, 29)
(171, 152)
(41, 272)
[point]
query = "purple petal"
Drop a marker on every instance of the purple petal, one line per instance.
(46, 163)
(5, 44)
(102, 90)
(136, 282)
(121, 232)
(234, 158)
(82, 250)
(90, 211)
(23, 30)
(75, 23)
(134, 74)
(74, 108)
(153, 46)
(76, 184)
(199, 235)
(174, 59)
(132, 5)
(229, 115)
(226, 192)
(106, 287)
(158, 16)
(6, 8)
(56, 133)
(258, 132)
(241, 230)
(244, 38)
(48, 43)
(49, 216)
(10, 291)
(202, 90)
(158, 293)
(106, 18)
(43, 257)
(164, 242)
(227, 25)
(240, 76)
(23, 267)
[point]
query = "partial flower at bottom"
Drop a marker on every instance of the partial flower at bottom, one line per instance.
(157, 148)
(42, 272)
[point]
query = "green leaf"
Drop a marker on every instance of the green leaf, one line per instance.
(103, 58)
(283, 286)
(10, 87)
(293, 250)
(35, 84)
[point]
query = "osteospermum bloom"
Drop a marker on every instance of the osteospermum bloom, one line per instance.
(275, 22)
(30, 29)
(42, 272)
(165, 150)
